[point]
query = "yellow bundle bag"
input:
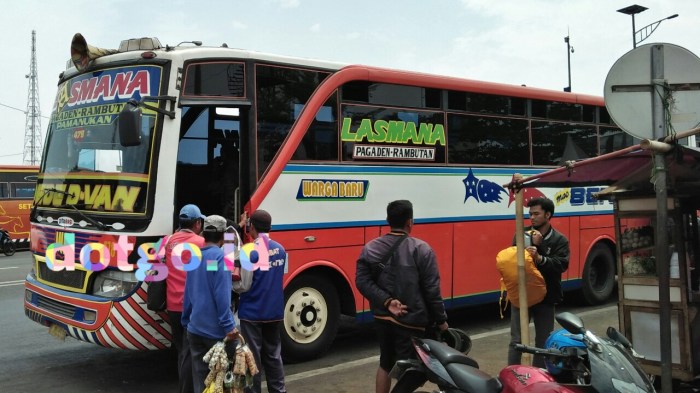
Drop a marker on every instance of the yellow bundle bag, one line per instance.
(507, 265)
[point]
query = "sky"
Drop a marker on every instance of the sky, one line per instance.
(506, 41)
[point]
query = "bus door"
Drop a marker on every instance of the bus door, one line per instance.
(209, 160)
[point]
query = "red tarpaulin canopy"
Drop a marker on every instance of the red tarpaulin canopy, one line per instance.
(629, 169)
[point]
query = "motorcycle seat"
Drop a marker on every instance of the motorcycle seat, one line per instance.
(471, 379)
(447, 355)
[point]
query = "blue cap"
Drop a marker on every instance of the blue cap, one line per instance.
(191, 212)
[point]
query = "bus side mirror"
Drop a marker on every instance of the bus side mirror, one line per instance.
(130, 124)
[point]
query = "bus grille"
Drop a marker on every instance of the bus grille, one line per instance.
(56, 307)
(74, 279)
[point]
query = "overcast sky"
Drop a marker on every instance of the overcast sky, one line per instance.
(507, 41)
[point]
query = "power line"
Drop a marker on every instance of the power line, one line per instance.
(10, 155)
(20, 110)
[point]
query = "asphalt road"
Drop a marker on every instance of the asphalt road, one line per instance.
(33, 361)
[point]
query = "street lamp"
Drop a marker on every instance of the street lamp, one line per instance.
(645, 31)
(569, 51)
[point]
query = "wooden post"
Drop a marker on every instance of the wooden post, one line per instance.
(522, 279)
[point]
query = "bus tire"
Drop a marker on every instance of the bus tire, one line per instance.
(598, 279)
(311, 317)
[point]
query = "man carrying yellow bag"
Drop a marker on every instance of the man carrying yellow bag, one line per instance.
(548, 251)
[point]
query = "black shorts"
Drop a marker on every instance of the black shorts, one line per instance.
(395, 343)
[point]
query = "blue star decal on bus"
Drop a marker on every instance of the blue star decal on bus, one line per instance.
(481, 189)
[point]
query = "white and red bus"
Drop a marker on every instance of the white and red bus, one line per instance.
(17, 183)
(323, 147)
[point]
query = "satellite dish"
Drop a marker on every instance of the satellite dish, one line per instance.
(629, 89)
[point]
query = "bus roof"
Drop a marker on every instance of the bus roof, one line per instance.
(183, 53)
(21, 168)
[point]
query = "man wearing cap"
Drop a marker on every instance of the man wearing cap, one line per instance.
(206, 312)
(191, 219)
(261, 308)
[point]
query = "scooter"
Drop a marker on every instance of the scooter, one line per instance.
(599, 365)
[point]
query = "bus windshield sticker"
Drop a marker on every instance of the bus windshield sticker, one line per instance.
(102, 197)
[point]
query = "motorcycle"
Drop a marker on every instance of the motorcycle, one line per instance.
(593, 364)
(8, 246)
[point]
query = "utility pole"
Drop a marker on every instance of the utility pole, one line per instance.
(32, 130)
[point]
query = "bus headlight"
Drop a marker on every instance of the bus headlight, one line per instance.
(114, 283)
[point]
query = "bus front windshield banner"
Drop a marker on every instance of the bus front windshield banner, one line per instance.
(84, 156)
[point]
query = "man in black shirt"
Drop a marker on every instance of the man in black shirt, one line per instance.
(550, 252)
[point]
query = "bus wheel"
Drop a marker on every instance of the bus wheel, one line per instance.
(311, 316)
(598, 275)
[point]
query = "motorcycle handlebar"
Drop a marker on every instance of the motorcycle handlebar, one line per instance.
(568, 352)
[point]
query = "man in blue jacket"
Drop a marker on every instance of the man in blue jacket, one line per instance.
(262, 307)
(206, 313)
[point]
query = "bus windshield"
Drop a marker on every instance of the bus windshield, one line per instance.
(84, 159)
(94, 149)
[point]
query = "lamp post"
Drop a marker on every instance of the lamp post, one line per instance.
(645, 31)
(569, 51)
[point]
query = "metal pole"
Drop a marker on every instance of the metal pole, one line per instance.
(661, 235)
(522, 281)
(634, 35)
(568, 61)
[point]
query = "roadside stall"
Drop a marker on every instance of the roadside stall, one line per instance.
(629, 173)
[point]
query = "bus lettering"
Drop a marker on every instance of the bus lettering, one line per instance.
(393, 131)
(562, 196)
(85, 121)
(584, 196)
(332, 189)
(124, 85)
(96, 197)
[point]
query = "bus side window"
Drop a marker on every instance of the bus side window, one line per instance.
(4, 194)
(320, 143)
(22, 190)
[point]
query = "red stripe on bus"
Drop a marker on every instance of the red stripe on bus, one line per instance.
(101, 340)
(134, 324)
(113, 337)
(147, 317)
(128, 336)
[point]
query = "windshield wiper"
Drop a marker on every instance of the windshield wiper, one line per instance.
(41, 198)
(91, 220)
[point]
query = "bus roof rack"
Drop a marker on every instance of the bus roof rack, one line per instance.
(145, 43)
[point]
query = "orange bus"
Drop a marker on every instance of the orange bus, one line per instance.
(17, 183)
(323, 147)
